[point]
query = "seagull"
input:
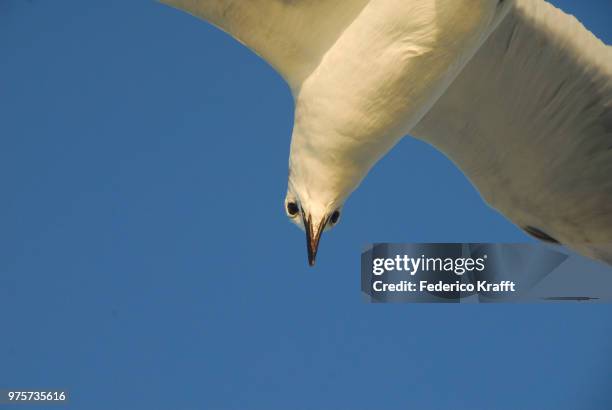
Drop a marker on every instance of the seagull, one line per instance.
(516, 93)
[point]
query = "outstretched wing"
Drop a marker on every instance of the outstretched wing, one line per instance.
(529, 121)
(291, 35)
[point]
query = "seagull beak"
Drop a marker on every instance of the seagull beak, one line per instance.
(313, 236)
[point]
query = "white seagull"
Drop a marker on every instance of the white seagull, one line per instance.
(516, 93)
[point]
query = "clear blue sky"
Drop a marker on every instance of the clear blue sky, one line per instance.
(146, 261)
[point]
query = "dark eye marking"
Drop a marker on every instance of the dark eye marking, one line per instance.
(334, 217)
(538, 234)
(292, 208)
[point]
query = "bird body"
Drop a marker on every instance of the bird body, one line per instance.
(515, 92)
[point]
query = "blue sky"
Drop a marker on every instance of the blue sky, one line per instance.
(146, 261)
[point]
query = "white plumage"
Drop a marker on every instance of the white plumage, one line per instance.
(517, 93)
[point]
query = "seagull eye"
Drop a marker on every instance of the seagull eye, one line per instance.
(334, 217)
(292, 209)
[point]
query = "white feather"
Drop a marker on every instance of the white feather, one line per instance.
(529, 121)
(291, 35)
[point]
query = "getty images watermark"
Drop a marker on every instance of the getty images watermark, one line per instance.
(480, 273)
(411, 266)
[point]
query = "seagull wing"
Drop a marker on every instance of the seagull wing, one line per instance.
(529, 121)
(291, 35)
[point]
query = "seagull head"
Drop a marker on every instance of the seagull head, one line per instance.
(313, 218)
(324, 166)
